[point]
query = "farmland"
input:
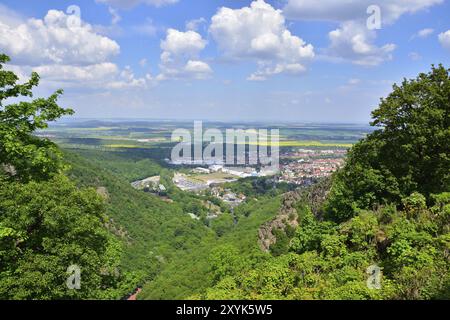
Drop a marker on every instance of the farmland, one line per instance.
(115, 135)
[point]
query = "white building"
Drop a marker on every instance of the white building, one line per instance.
(201, 170)
(215, 168)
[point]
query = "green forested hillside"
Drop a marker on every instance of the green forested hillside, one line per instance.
(194, 271)
(164, 246)
(153, 231)
(330, 261)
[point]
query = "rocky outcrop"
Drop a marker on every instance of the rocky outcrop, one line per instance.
(103, 192)
(8, 169)
(313, 196)
(287, 216)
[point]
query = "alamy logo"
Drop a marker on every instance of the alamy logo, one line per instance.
(73, 282)
(374, 280)
(73, 17)
(236, 147)
(374, 20)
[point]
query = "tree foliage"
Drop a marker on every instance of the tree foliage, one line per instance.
(47, 224)
(45, 227)
(28, 157)
(410, 152)
(330, 261)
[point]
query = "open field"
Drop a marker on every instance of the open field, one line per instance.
(125, 135)
(213, 176)
(299, 143)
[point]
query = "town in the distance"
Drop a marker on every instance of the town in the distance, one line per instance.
(306, 153)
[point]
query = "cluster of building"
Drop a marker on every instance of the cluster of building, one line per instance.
(314, 153)
(240, 172)
(227, 196)
(150, 184)
(245, 158)
(186, 183)
(305, 166)
(300, 167)
(192, 162)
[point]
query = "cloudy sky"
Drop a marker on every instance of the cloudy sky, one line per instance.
(282, 60)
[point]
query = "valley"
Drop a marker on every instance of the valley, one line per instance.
(171, 218)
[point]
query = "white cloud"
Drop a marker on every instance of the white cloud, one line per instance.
(351, 84)
(424, 33)
(95, 72)
(10, 17)
(270, 70)
(414, 56)
(197, 66)
(354, 42)
(143, 62)
(444, 39)
(354, 81)
(148, 28)
(64, 52)
(101, 76)
(256, 77)
(179, 58)
(332, 10)
(115, 17)
(195, 24)
(183, 43)
(55, 40)
(127, 80)
(113, 29)
(127, 4)
(259, 32)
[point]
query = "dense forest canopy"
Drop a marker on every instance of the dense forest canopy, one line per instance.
(409, 153)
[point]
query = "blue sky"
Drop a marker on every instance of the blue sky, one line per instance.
(286, 60)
